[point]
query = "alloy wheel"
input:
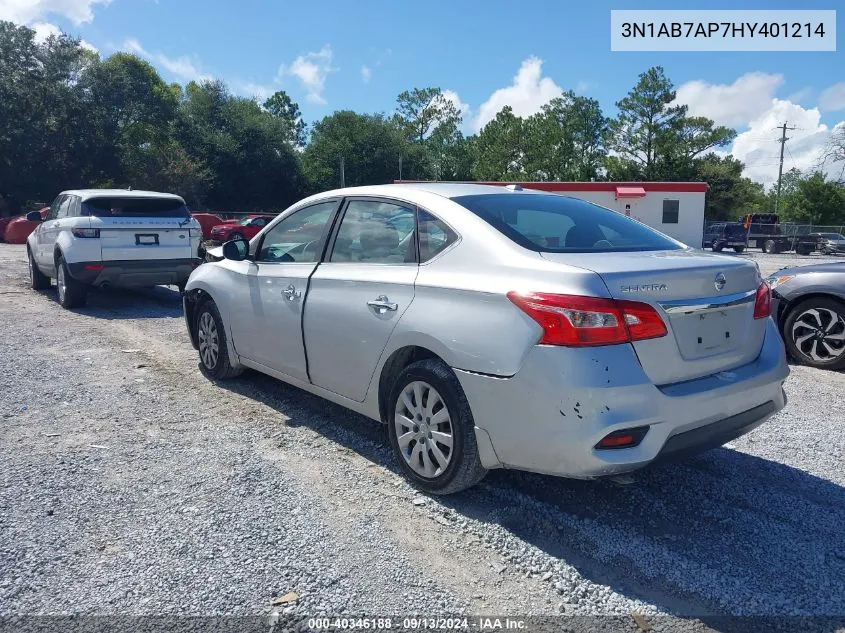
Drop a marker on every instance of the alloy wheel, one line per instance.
(209, 341)
(424, 429)
(819, 334)
(61, 282)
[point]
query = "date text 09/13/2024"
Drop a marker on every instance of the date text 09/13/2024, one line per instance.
(417, 624)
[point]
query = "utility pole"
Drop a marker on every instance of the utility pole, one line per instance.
(400, 166)
(782, 141)
(342, 174)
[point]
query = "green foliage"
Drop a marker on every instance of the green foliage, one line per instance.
(69, 119)
(368, 144)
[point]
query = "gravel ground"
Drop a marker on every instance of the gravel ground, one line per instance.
(132, 485)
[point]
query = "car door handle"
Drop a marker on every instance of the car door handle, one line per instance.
(291, 293)
(382, 304)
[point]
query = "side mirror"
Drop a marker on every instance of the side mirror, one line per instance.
(236, 250)
(34, 216)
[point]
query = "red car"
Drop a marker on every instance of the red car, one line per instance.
(246, 228)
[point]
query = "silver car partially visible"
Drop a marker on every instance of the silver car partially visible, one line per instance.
(492, 327)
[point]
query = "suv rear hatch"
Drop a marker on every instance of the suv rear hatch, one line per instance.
(711, 326)
(142, 228)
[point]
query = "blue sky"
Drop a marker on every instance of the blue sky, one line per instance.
(359, 55)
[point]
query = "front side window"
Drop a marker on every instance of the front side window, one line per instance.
(54, 208)
(375, 232)
(299, 237)
(559, 224)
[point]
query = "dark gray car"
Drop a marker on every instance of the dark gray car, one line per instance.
(808, 304)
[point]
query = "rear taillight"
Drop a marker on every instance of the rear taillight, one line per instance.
(576, 321)
(763, 301)
(85, 232)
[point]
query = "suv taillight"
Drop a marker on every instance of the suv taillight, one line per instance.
(577, 321)
(763, 301)
(85, 232)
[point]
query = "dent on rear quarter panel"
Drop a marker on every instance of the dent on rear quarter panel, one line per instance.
(480, 332)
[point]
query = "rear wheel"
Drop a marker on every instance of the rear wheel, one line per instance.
(37, 279)
(211, 342)
(432, 430)
(814, 333)
(739, 249)
(72, 293)
(717, 248)
(770, 246)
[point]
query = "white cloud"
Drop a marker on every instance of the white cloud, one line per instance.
(833, 98)
(311, 69)
(253, 90)
(734, 105)
(182, 67)
(463, 108)
(26, 11)
(581, 87)
(528, 93)
(759, 149)
(44, 30)
(366, 73)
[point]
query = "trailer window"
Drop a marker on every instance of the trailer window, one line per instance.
(670, 211)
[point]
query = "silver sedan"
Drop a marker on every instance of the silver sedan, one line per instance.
(495, 327)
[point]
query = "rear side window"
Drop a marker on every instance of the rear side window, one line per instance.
(736, 230)
(116, 206)
(435, 236)
(375, 232)
(549, 223)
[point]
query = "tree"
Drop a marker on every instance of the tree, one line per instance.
(730, 195)
(564, 140)
(280, 105)
(422, 111)
(815, 200)
(368, 144)
(640, 134)
(500, 148)
(655, 140)
(834, 149)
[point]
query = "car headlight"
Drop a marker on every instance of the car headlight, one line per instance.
(777, 280)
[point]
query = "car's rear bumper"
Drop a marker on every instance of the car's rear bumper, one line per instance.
(134, 273)
(549, 416)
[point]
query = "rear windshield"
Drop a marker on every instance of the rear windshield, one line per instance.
(115, 206)
(550, 223)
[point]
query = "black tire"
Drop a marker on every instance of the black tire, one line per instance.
(764, 246)
(770, 246)
(717, 248)
(37, 279)
(72, 293)
(800, 351)
(464, 468)
(219, 367)
(739, 249)
(803, 251)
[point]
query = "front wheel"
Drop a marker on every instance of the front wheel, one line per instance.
(431, 429)
(739, 249)
(37, 279)
(211, 342)
(717, 248)
(814, 333)
(72, 293)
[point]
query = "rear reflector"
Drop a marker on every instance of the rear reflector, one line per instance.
(763, 301)
(625, 438)
(93, 267)
(575, 321)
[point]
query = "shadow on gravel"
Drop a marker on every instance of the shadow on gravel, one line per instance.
(120, 303)
(721, 534)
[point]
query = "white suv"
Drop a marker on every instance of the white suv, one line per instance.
(112, 237)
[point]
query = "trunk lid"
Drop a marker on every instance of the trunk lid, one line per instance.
(710, 329)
